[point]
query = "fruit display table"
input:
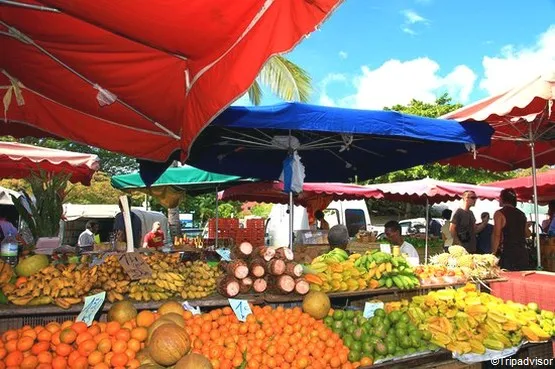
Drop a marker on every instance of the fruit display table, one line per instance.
(525, 287)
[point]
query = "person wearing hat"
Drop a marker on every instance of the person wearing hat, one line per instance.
(155, 238)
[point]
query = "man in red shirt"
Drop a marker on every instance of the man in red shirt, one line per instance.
(155, 238)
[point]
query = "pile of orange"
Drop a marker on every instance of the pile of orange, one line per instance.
(73, 345)
(270, 338)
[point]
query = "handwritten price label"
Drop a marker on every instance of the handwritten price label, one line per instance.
(241, 309)
(385, 247)
(225, 254)
(370, 307)
(91, 307)
(135, 266)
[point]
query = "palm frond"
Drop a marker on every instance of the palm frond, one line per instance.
(255, 93)
(286, 80)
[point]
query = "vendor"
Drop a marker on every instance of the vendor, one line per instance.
(155, 238)
(510, 231)
(87, 237)
(338, 236)
(319, 215)
(548, 225)
(393, 234)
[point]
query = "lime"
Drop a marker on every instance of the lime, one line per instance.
(416, 334)
(426, 335)
(349, 314)
(380, 313)
(351, 329)
(376, 320)
(401, 324)
(338, 324)
(387, 322)
(404, 318)
(348, 340)
(401, 332)
(328, 321)
(367, 348)
(380, 331)
(405, 342)
(358, 333)
(338, 314)
(411, 350)
(415, 341)
(357, 346)
(394, 316)
(432, 347)
(354, 356)
(391, 348)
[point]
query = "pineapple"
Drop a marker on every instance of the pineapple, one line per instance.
(457, 251)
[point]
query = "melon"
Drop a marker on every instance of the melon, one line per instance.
(154, 326)
(193, 361)
(171, 307)
(122, 311)
(151, 366)
(31, 265)
(174, 318)
(168, 344)
(316, 304)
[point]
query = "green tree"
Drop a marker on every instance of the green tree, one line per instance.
(261, 210)
(285, 79)
(443, 105)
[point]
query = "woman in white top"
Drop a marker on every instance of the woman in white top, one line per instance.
(445, 233)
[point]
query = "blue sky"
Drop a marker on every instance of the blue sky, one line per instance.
(376, 53)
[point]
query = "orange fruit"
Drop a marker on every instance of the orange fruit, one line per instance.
(73, 356)
(59, 363)
(105, 345)
(112, 328)
(79, 363)
(40, 347)
(68, 336)
(119, 347)
(94, 330)
(119, 359)
(82, 337)
(66, 324)
(45, 357)
(11, 345)
(134, 345)
(101, 366)
(14, 359)
(25, 343)
(133, 364)
(29, 333)
(44, 335)
(79, 327)
(139, 333)
(123, 334)
(86, 347)
(96, 357)
(145, 318)
(63, 349)
(30, 362)
(52, 327)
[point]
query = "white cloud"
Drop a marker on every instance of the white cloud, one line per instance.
(412, 17)
(397, 82)
(408, 30)
(516, 65)
(343, 54)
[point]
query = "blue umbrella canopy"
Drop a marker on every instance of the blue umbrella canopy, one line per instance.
(334, 144)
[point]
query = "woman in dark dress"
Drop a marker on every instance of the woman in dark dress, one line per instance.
(509, 233)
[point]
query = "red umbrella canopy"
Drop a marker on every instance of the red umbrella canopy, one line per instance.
(20, 160)
(521, 115)
(138, 77)
(436, 191)
(524, 187)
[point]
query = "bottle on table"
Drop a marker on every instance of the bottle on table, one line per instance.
(9, 249)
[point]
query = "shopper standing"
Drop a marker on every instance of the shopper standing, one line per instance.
(510, 231)
(463, 224)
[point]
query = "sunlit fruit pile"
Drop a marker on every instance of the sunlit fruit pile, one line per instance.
(73, 345)
(269, 338)
(439, 274)
(471, 265)
(384, 336)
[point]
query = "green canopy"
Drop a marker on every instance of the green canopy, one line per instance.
(175, 182)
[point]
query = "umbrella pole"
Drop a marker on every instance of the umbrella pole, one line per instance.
(427, 228)
(535, 189)
(291, 220)
(217, 216)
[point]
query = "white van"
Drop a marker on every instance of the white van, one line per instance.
(77, 215)
(351, 213)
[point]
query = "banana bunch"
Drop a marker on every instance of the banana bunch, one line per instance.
(336, 255)
(200, 279)
(160, 286)
(389, 271)
(64, 285)
(112, 279)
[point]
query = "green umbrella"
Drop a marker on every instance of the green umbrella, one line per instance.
(175, 182)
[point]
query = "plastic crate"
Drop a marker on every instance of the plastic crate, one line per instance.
(255, 223)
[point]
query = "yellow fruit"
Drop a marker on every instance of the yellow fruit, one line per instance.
(316, 304)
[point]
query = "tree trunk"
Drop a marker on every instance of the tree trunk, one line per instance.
(173, 217)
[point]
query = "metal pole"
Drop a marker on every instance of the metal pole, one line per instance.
(217, 216)
(535, 187)
(427, 227)
(291, 220)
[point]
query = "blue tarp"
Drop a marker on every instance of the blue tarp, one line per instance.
(335, 143)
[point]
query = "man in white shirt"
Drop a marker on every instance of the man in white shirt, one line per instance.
(86, 238)
(393, 234)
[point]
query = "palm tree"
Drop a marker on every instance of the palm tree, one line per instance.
(286, 80)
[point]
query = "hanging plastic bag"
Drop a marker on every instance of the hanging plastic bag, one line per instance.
(293, 174)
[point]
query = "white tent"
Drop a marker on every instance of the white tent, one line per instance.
(5, 198)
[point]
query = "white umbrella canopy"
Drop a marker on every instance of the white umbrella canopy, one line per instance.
(5, 196)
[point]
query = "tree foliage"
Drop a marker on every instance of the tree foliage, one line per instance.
(441, 106)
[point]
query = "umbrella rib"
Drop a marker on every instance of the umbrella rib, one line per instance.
(260, 140)
(29, 6)
(26, 39)
(540, 154)
(260, 144)
(546, 131)
(368, 151)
